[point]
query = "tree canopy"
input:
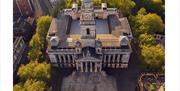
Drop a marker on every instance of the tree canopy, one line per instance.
(124, 6)
(146, 23)
(34, 70)
(38, 41)
(153, 57)
(57, 8)
(31, 85)
(146, 39)
(68, 3)
(154, 6)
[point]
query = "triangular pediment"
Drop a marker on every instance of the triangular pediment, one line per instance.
(89, 58)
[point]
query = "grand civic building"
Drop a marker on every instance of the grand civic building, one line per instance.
(89, 38)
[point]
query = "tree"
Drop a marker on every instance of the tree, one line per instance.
(153, 23)
(142, 11)
(57, 8)
(34, 54)
(38, 41)
(146, 23)
(18, 87)
(35, 70)
(146, 39)
(124, 6)
(153, 57)
(155, 6)
(31, 85)
(68, 3)
(97, 2)
(43, 24)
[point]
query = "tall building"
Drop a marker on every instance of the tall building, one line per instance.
(16, 12)
(25, 7)
(89, 39)
(24, 28)
(18, 50)
(41, 7)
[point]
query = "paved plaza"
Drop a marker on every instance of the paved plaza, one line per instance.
(89, 81)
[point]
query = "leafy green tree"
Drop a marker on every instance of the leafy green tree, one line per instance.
(57, 8)
(68, 3)
(78, 2)
(97, 2)
(142, 11)
(43, 24)
(34, 54)
(38, 41)
(35, 70)
(153, 23)
(124, 6)
(146, 23)
(155, 6)
(153, 57)
(31, 85)
(146, 39)
(18, 87)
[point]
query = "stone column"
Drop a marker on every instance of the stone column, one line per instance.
(64, 58)
(95, 67)
(100, 66)
(114, 56)
(69, 60)
(86, 67)
(77, 66)
(91, 67)
(109, 58)
(59, 58)
(73, 57)
(118, 58)
(104, 59)
(81, 66)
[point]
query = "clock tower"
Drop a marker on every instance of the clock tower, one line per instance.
(87, 21)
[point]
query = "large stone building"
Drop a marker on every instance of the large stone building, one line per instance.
(89, 38)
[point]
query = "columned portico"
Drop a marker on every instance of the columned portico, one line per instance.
(88, 64)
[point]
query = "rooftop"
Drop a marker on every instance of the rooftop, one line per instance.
(108, 30)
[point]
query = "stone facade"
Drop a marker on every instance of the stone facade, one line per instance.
(89, 50)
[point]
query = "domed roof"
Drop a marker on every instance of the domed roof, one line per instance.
(124, 40)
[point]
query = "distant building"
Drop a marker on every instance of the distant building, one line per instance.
(41, 7)
(16, 12)
(89, 39)
(25, 7)
(18, 52)
(151, 82)
(24, 27)
(19, 56)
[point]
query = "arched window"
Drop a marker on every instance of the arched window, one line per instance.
(88, 31)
